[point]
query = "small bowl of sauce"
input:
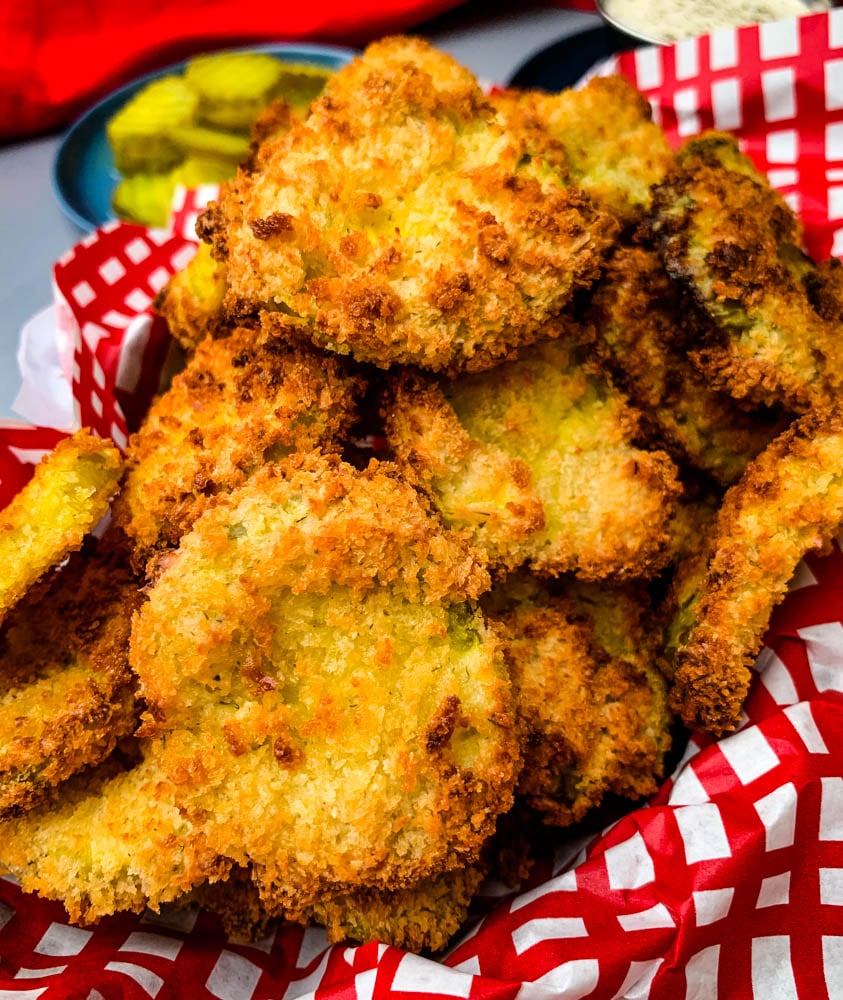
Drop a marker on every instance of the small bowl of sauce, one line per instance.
(661, 22)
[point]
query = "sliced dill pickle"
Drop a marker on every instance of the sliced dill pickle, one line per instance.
(233, 87)
(300, 85)
(204, 141)
(139, 133)
(198, 170)
(144, 198)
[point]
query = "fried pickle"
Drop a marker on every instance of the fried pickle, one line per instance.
(316, 627)
(243, 400)
(789, 502)
(49, 518)
(67, 695)
(421, 917)
(402, 223)
(536, 461)
(591, 699)
(638, 313)
(191, 301)
(728, 237)
(602, 135)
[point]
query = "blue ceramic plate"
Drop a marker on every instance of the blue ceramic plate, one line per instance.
(84, 176)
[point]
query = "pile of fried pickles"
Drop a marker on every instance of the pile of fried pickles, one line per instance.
(501, 429)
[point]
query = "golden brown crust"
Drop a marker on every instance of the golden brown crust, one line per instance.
(537, 462)
(735, 244)
(52, 514)
(192, 301)
(789, 502)
(450, 262)
(67, 695)
(316, 628)
(641, 320)
(243, 400)
(602, 135)
(591, 701)
(422, 917)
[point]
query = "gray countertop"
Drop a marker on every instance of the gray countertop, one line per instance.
(34, 232)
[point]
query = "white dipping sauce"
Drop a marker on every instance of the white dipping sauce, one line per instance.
(674, 19)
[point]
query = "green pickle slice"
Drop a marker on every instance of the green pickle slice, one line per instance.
(194, 129)
(233, 87)
(139, 133)
(147, 198)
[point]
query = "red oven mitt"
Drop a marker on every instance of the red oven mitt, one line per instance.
(58, 58)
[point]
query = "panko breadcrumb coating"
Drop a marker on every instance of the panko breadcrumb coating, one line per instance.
(639, 315)
(536, 460)
(50, 517)
(587, 689)
(602, 134)
(423, 917)
(735, 244)
(191, 301)
(317, 628)
(243, 400)
(67, 695)
(401, 222)
(789, 502)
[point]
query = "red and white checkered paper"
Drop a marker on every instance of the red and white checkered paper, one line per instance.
(729, 884)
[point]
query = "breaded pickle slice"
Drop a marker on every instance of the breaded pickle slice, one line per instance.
(317, 627)
(110, 842)
(49, 518)
(603, 134)
(242, 401)
(640, 318)
(789, 502)
(420, 917)
(433, 237)
(537, 460)
(191, 301)
(139, 134)
(67, 695)
(591, 699)
(735, 244)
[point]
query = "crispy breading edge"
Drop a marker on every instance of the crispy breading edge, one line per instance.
(241, 401)
(427, 436)
(66, 497)
(735, 244)
(69, 649)
(369, 292)
(637, 312)
(589, 695)
(788, 503)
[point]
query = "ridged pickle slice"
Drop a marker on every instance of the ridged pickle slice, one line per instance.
(233, 87)
(147, 198)
(53, 513)
(139, 134)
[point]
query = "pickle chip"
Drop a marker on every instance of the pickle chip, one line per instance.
(139, 133)
(301, 85)
(201, 124)
(147, 198)
(233, 87)
(204, 141)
